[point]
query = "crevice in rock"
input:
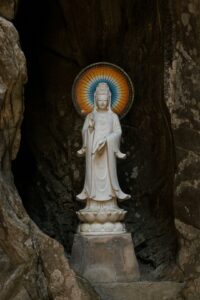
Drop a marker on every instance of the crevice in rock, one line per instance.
(58, 41)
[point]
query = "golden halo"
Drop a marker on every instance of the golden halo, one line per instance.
(121, 87)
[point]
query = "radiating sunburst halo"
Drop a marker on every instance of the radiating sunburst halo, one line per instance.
(121, 87)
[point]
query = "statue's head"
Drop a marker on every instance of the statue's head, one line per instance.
(102, 97)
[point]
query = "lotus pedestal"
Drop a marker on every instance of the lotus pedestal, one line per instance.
(101, 221)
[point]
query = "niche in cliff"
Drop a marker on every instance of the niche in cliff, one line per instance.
(60, 38)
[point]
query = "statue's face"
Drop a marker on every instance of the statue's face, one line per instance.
(102, 102)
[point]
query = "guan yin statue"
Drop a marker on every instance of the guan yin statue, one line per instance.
(101, 136)
(103, 252)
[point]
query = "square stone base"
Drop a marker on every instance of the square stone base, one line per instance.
(105, 258)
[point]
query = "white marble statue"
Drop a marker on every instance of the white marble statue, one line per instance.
(101, 145)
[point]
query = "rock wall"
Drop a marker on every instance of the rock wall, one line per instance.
(33, 266)
(182, 83)
(8, 8)
(183, 102)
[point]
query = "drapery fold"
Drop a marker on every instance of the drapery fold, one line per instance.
(101, 181)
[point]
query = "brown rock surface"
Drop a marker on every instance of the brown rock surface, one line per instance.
(182, 96)
(8, 8)
(182, 82)
(189, 253)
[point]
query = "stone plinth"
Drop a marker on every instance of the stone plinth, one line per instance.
(105, 258)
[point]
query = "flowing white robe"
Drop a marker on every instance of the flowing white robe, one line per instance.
(101, 182)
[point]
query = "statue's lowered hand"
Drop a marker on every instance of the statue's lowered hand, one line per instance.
(81, 152)
(120, 155)
(101, 146)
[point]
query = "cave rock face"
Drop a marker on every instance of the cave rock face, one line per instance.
(182, 97)
(64, 41)
(8, 8)
(161, 135)
(13, 76)
(183, 101)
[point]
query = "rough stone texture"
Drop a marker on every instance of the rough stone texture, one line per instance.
(189, 253)
(13, 75)
(108, 258)
(47, 171)
(182, 90)
(139, 290)
(33, 266)
(8, 8)
(191, 290)
(183, 101)
(188, 260)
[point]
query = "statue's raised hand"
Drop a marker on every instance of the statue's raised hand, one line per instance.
(91, 124)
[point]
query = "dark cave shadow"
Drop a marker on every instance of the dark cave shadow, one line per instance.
(55, 218)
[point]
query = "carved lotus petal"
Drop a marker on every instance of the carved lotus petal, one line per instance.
(96, 227)
(113, 217)
(122, 216)
(108, 227)
(85, 227)
(118, 227)
(90, 217)
(80, 216)
(102, 217)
